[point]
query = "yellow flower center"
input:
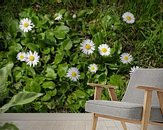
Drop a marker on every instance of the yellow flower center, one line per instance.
(104, 50)
(31, 58)
(73, 74)
(128, 18)
(26, 24)
(21, 57)
(87, 46)
(92, 68)
(126, 58)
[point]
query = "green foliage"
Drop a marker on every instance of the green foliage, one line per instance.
(77, 99)
(5, 72)
(8, 126)
(58, 44)
(20, 99)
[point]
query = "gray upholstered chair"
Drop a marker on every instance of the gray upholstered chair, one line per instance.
(137, 106)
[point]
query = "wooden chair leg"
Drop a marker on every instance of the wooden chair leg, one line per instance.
(146, 110)
(160, 98)
(124, 125)
(94, 122)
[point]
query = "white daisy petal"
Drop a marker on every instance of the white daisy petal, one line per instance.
(73, 73)
(87, 47)
(93, 68)
(58, 16)
(74, 16)
(133, 69)
(26, 25)
(104, 50)
(32, 58)
(128, 18)
(21, 56)
(126, 58)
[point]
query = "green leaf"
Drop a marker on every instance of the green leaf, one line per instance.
(62, 69)
(8, 126)
(41, 36)
(117, 80)
(58, 58)
(35, 86)
(48, 84)
(161, 39)
(102, 79)
(13, 27)
(29, 70)
(46, 97)
(18, 75)
(80, 94)
(113, 66)
(4, 73)
(50, 35)
(61, 31)
(94, 2)
(52, 92)
(59, 35)
(62, 11)
(13, 50)
(51, 104)
(82, 75)
(81, 13)
(106, 21)
(98, 38)
(20, 99)
(50, 73)
(67, 44)
(117, 47)
(32, 46)
(46, 51)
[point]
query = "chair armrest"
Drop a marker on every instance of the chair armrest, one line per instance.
(99, 88)
(159, 94)
(147, 88)
(101, 85)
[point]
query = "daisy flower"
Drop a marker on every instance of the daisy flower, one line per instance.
(26, 25)
(93, 68)
(58, 16)
(87, 46)
(73, 74)
(74, 16)
(128, 17)
(133, 69)
(104, 50)
(126, 58)
(21, 56)
(32, 58)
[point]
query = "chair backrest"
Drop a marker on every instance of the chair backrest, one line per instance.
(143, 77)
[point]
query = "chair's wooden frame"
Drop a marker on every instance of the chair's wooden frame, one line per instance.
(146, 107)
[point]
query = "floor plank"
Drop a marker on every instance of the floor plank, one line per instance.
(57, 121)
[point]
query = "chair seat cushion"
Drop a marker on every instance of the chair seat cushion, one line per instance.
(125, 110)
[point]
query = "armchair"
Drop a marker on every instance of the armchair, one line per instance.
(138, 107)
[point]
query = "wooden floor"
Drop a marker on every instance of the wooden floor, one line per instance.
(58, 121)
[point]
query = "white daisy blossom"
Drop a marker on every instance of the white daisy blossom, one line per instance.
(126, 58)
(26, 25)
(93, 68)
(104, 50)
(32, 58)
(21, 56)
(128, 17)
(58, 16)
(74, 16)
(87, 46)
(133, 69)
(73, 73)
